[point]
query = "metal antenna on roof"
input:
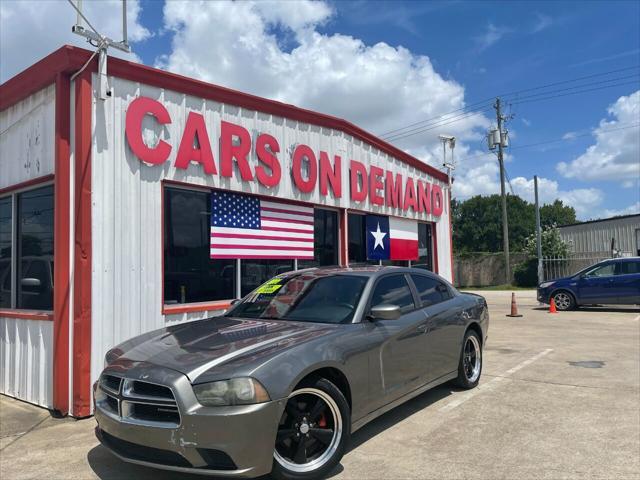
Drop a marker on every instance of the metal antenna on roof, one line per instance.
(102, 44)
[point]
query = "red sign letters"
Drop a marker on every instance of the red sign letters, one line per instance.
(308, 170)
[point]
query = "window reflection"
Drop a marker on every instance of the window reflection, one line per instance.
(425, 256)
(190, 275)
(358, 240)
(5, 252)
(35, 244)
(254, 273)
(325, 239)
(393, 290)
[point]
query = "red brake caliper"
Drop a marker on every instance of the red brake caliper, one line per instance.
(322, 422)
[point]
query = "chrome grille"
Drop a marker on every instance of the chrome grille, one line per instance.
(137, 401)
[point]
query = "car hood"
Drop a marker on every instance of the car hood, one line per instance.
(215, 343)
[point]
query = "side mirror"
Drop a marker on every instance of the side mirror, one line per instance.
(31, 282)
(385, 311)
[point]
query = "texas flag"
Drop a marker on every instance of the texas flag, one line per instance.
(390, 238)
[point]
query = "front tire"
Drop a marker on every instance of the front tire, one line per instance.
(470, 364)
(313, 432)
(564, 300)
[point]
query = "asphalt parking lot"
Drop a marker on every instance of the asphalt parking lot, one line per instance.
(559, 398)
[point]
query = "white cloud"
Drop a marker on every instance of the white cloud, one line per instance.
(29, 30)
(616, 153)
(542, 22)
(630, 210)
(490, 36)
(526, 121)
(481, 179)
(569, 136)
(584, 200)
(378, 87)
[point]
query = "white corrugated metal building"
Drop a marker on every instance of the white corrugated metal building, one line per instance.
(596, 236)
(105, 207)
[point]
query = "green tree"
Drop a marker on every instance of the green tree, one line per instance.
(552, 244)
(477, 222)
(556, 213)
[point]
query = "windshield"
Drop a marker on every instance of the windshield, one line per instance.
(306, 297)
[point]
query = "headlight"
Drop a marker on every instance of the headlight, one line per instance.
(237, 391)
(546, 284)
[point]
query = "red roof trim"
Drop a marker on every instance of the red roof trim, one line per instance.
(195, 307)
(68, 59)
(26, 314)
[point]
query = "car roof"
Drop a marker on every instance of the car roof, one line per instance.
(621, 259)
(359, 270)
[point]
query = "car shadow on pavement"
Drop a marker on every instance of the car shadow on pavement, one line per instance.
(395, 416)
(107, 466)
(597, 308)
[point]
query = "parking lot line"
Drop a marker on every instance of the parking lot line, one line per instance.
(493, 383)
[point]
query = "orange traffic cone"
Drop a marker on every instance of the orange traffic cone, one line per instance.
(552, 306)
(514, 306)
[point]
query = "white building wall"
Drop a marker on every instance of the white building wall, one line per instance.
(126, 194)
(26, 354)
(27, 142)
(27, 132)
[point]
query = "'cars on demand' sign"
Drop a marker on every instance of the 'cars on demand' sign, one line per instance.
(310, 171)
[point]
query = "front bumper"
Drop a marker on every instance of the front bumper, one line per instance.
(544, 295)
(223, 441)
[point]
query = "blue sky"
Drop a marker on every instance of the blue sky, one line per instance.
(350, 59)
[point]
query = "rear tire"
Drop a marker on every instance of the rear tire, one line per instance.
(564, 300)
(313, 432)
(470, 364)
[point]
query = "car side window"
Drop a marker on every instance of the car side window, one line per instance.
(393, 290)
(603, 271)
(430, 290)
(628, 268)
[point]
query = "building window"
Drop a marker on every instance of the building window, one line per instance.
(26, 250)
(5, 251)
(254, 273)
(325, 237)
(357, 239)
(190, 275)
(425, 247)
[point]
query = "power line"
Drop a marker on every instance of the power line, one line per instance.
(563, 139)
(412, 132)
(432, 121)
(428, 127)
(575, 93)
(466, 107)
(635, 75)
(569, 81)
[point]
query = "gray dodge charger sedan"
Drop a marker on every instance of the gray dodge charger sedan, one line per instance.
(279, 383)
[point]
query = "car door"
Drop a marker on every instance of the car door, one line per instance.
(401, 356)
(627, 282)
(445, 325)
(597, 285)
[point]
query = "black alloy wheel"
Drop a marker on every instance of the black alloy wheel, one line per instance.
(312, 433)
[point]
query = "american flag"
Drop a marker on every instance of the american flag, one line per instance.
(243, 226)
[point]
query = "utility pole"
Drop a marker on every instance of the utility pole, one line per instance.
(505, 222)
(538, 233)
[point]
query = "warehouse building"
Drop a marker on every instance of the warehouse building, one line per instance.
(164, 198)
(615, 236)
